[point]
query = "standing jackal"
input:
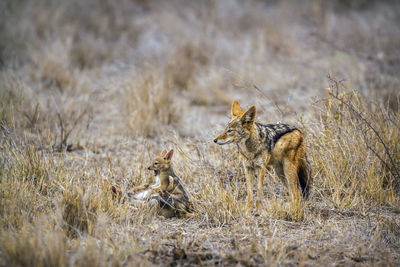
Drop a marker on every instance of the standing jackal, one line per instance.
(262, 145)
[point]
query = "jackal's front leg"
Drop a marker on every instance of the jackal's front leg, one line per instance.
(249, 174)
(260, 191)
(140, 188)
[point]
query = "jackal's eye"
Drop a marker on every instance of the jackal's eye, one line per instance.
(229, 131)
(155, 163)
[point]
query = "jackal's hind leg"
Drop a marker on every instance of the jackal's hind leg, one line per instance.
(291, 175)
(281, 174)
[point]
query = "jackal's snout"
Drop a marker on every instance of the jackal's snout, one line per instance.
(222, 140)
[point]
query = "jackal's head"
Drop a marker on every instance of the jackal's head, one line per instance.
(161, 162)
(239, 127)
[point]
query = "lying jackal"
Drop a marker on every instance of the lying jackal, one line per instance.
(168, 190)
(262, 145)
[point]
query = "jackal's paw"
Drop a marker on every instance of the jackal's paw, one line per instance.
(259, 205)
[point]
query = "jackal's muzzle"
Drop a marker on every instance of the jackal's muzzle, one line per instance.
(222, 142)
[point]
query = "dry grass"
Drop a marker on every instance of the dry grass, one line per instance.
(90, 92)
(356, 151)
(150, 105)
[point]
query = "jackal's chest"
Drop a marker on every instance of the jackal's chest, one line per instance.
(253, 158)
(157, 182)
(254, 162)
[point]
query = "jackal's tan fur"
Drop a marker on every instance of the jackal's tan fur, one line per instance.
(168, 190)
(278, 145)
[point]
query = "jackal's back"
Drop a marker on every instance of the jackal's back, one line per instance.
(271, 133)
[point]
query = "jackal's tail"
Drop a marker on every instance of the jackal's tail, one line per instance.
(305, 178)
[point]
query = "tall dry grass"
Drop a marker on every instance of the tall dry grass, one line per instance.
(356, 150)
(150, 105)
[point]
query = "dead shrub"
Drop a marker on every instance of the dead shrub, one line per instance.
(353, 150)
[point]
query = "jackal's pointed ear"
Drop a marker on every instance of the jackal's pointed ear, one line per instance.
(169, 155)
(236, 109)
(249, 116)
(163, 153)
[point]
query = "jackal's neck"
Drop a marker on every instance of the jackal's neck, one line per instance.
(167, 172)
(253, 143)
